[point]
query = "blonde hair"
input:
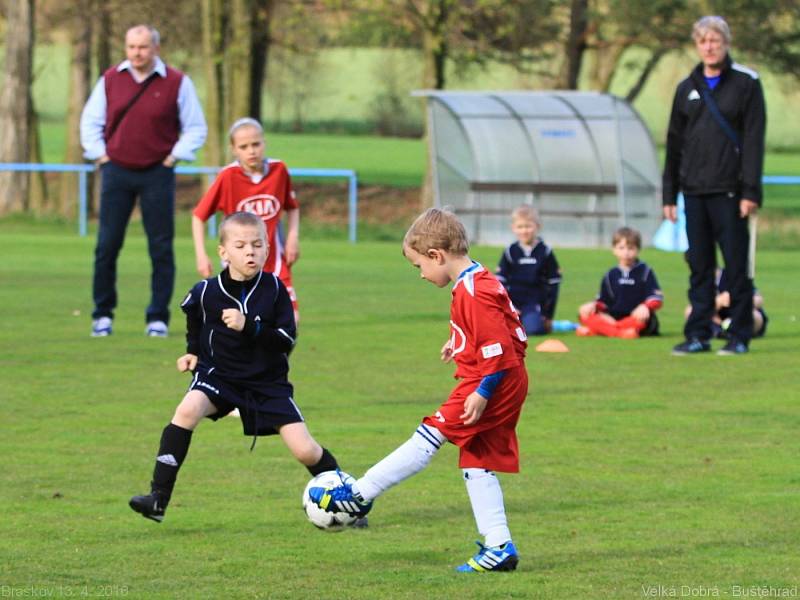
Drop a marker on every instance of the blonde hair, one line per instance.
(242, 218)
(630, 235)
(438, 229)
(244, 122)
(526, 212)
(711, 23)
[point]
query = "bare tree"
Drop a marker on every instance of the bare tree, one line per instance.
(15, 103)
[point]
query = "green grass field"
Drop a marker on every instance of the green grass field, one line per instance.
(639, 469)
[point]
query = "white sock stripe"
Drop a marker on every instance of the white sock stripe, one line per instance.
(434, 433)
(423, 432)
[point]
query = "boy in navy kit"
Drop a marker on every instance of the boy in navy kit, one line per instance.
(629, 294)
(529, 271)
(240, 331)
(487, 343)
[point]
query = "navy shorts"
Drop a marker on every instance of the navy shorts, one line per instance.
(262, 413)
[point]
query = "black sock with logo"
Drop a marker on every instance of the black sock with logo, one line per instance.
(171, 454)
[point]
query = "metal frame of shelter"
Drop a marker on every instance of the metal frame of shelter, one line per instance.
(586, 161)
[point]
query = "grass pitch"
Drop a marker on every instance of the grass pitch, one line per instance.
(642, 472)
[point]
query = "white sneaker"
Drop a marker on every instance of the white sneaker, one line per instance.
(101, 327)
(156, 329)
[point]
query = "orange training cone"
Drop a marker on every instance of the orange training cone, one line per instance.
(552, 345)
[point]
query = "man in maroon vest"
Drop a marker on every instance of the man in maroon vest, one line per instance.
(141, 118)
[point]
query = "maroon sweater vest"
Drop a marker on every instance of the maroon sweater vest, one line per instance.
(150, 128)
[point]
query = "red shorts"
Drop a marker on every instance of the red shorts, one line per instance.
(491, 443)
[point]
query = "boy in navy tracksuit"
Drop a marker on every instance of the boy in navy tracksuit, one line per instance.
(530, 273)
(240, 331)
(629, 294)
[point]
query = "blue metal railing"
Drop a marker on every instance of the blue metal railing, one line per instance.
(209, 172)
(672, 236)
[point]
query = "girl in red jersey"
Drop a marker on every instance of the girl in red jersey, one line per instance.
(257, 185)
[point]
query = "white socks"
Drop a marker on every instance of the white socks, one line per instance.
(487, 506)
(414, 455)
(408, 459)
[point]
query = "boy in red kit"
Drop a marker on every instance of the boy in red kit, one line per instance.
(253, 184)
(629, 294)
(488, 344)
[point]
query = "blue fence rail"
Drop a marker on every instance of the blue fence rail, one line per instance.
(672, 236)
(210, 173)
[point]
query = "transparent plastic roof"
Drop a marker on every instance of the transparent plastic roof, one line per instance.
(540, 147)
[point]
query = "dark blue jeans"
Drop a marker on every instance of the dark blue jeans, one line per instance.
(710, 220)
(155, 188)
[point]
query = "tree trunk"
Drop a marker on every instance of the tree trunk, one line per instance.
(259, 51)
(102, 26)
(38, 199)
(15, 107)
(212, 60)
(575, 45)
(435, 54)
(80, 81)
(238, 60)
(434, 44)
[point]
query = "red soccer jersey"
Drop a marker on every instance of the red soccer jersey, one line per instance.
(234, 190)
(486, 335)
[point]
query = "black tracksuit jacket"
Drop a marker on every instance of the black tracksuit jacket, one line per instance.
(701, 158)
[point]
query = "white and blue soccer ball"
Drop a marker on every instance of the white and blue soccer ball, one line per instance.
(327, 521)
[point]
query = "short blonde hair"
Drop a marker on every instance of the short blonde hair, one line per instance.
(526, 212)
(244, 122)
(628, 234)
(246, 219)
(437, 229)
(711, 23)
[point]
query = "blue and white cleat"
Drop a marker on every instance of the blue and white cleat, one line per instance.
(496, 558)
(339, 499)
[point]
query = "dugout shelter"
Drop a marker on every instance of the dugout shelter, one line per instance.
(585, 160)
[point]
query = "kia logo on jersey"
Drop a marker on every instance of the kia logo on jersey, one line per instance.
(263, 205)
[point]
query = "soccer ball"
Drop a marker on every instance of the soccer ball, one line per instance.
(327, 521)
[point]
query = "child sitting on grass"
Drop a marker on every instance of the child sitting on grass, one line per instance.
(629, 294)
(530, 273)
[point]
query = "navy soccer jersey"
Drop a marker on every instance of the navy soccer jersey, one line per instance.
(623, 290)
(531, 276)
(255, 358)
